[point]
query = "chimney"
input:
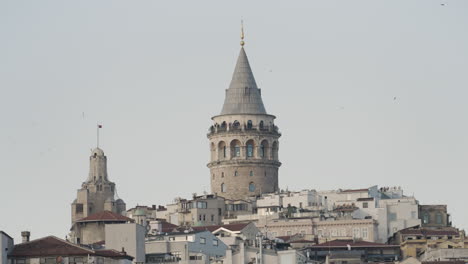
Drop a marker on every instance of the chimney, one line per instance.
(25, 236)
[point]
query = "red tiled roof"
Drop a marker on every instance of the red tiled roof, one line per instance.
(231, 227)
(302, 241)
(168, 227)
(48, 246)
(343, 243)
(110, 253)
(52, 246)
(105, 216)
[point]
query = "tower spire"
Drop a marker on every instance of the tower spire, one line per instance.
(242, 43)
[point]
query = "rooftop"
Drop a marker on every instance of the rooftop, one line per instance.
(344, 243)
(105, 216)
(52, 246)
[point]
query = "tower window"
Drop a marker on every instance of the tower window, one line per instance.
(237, 151)
(261, 124)
(251, 187)
(250, 150)
(236, 173)
(223, 187)
(249, 124)
(251, 173)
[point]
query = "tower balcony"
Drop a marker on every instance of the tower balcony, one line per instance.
(272, 130)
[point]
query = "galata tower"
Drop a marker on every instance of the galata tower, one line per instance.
(243, 139)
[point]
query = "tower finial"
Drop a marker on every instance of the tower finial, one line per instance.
(242, 43)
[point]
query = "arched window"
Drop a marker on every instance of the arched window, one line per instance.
(251, 173)
(426, 218)
(251, 187)
(235, 148)
(275, 150)
(250, 148)
(236, 124)
(223, 124)
(261, 124)
(264, 149)
(223, 187)
(249, 124)
(221, 150)
(236, 173)
(213, 151)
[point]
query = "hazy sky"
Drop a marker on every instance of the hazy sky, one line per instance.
(154, 73)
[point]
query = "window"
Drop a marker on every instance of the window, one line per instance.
(202, 205)
(356, 233)
(319, 232)
(199, 217)
(202, 240)
(413, 215)
(249, 124)
(224, 151)
(222, 174)
(333, 233)
(223, 187)
(251, 173)
(79, 208)
(288, 233)
(439, 218)
(392, 217)
(195, 258)
(250, 150)
(262, 150)
(261, 124)
(251, 187)
(342, 232)
(364, 232)
(212, 218)
(236, 151)
(236, 173)
(215, 242)
(365, 205)
(426, 218)
(204, 217)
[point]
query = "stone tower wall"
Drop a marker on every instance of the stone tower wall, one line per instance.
(255, 170)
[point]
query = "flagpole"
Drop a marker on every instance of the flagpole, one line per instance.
(97, 138)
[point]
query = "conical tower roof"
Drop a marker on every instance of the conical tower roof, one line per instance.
(243, 95)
